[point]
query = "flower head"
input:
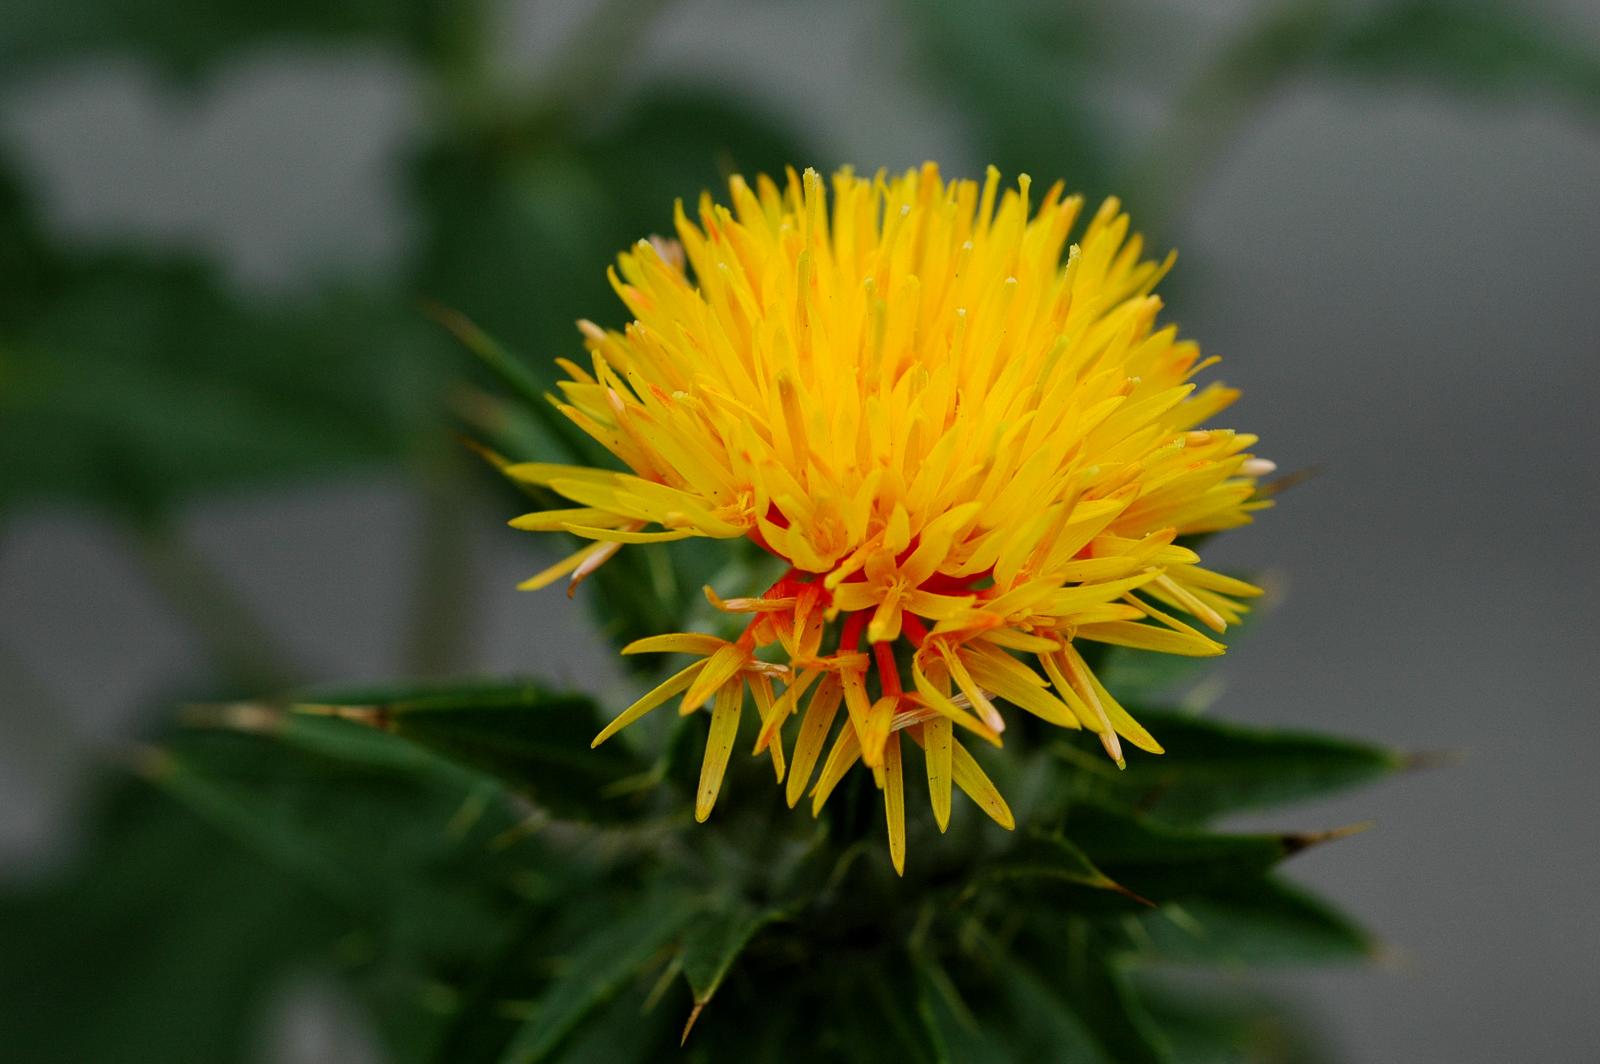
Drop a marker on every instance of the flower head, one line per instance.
(965, 435)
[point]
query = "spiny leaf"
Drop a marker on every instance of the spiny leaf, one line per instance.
(1098, 991)
(161, 942)
(614, 954)
(1162, 862)
(713, 943)
(1211, 767)
(325, 804)
(531, 738)
(1215, 1026)
(240, 856)
(1024, 1018)
(1265, 921)
(1051, 857)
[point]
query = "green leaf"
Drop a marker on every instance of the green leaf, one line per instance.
(615, 953)
(401, 843)
(1023, 1017)
(1163, 862)
(1262, 922)
(237, 860)
(866, 1015)
(631, 1027)
(1051, 858)
(714, 941)
(163, 942)
(1099, 992)
(1249, 1026)
(1211, 767)
(535, 740)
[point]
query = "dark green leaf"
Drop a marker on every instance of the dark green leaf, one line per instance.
(400, 842)
(240, 859)
(1024, 1018)
(1247, 1026)
(1053, 859)
(714, 941)
(1211, 767)
(520, 228)
(1261, 922)
(626, 1029)
(869, 1016)
(28, 265)
(615, 953)
(1162, 862)
(536, 740)
(164, 943)
(1101, 996)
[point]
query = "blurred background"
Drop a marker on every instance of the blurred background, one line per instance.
(227, 460)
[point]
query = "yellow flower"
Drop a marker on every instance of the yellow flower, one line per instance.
(968, 439)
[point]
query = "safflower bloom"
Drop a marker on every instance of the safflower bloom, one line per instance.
(969, 441)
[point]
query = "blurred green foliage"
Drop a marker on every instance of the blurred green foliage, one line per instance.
(488, 887)
(491, 893)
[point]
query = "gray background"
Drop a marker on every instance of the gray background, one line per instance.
(1404, 283)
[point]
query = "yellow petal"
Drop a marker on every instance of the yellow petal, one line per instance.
(879, 717)
(856, 700)
(721, 667)
(1119, 718)
(938, 700)
(976, 783)
(655, 697)
(824, 706)
(546, 577)
(761, 689)
(937, 740)
(677, 643)
(894, 803)
(725, 715)
(980, 702)
(773, 716)
(1150, 637)
(623, 535)
(1010, 684)
(846, 751)
(555, 520)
